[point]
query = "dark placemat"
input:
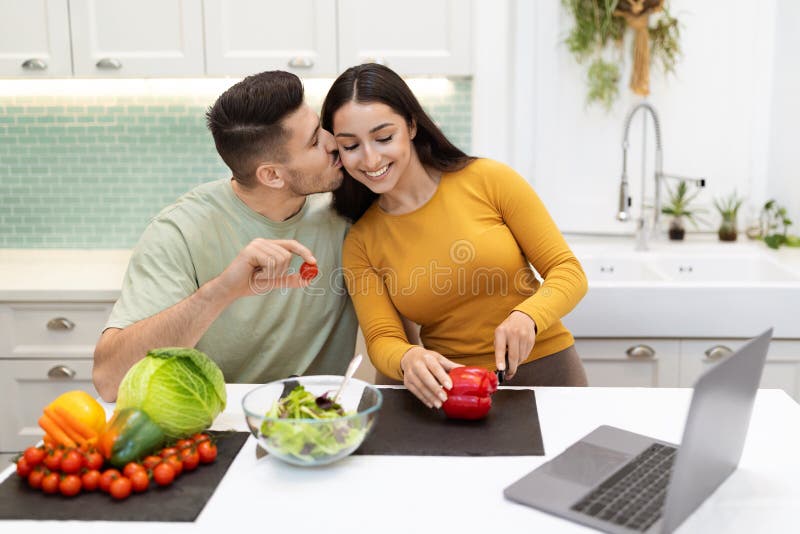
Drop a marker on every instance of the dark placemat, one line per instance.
(182, 501)
(405, 426)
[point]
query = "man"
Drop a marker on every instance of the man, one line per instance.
(217, 269)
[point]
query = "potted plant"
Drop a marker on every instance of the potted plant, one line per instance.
(679, 208)
(728, 208)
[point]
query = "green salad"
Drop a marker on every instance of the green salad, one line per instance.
(311, 440)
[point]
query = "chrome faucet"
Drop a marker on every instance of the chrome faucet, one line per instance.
(623, 212)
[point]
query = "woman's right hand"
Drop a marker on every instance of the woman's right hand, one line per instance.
(425, 375)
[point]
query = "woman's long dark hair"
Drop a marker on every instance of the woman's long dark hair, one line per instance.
(375, 83)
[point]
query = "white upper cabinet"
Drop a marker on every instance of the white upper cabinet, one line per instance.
(412, 37)
(122, 38)
(249, 36)
(34, 38)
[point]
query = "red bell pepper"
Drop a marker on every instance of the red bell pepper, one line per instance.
(470, 396)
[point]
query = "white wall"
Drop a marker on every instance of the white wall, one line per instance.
(722, 117)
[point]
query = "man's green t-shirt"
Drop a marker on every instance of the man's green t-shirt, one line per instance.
(258, 338)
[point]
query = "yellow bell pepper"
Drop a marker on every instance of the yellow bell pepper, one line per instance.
(74, 418)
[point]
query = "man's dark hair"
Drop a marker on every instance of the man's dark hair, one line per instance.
(246, 121)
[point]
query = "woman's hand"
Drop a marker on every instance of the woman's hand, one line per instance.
(425, 375)
(515, 336)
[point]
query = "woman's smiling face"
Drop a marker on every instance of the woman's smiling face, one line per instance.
(374, 143)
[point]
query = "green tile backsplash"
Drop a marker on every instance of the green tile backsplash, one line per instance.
(89, 172)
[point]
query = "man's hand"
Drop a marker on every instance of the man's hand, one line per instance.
(262, 266)
(515, 336)
(425, 375)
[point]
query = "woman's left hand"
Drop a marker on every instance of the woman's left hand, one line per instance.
(515, 336)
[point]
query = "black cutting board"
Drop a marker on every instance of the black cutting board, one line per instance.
(405, 426)
(182, 501)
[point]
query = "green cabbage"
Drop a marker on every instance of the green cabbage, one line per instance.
(182, 390)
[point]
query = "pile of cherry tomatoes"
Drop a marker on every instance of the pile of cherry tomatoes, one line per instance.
(71, 471)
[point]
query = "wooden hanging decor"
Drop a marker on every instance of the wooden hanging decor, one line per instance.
(637, 16)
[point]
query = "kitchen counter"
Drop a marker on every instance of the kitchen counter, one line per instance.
(448, 494)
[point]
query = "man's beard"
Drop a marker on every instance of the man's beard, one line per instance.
(305, 184)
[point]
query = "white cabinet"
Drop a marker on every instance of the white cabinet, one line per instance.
(630, 362)
(45, 350)
(34, 39)
(413, 37)
(249, 36)
(120, 38)
(781, 371)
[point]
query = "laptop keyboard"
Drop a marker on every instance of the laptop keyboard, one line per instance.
(633, 496)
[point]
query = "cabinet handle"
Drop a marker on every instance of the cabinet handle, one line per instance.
(61, 371)
(718, 351)
(34, 64)
(109, 63)
(378, 60)
(301, 62)
(60, 323)
(641, 352)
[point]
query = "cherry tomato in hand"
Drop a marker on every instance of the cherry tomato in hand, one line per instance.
(308, 271)
(90, 480)
(34, 456)
(207, 452)
(70, 485)
(50, 483)
(163, 474)
(120, 488)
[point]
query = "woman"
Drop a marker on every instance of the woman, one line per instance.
(445, 240)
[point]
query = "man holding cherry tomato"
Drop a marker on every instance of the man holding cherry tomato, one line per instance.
(220, 269)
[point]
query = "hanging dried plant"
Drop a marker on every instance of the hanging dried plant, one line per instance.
(600, 26)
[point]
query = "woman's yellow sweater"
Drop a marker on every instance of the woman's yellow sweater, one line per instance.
(458, 266)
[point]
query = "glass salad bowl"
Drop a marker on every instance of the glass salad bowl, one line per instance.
(302, 426)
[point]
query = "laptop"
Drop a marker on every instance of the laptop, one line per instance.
(617, 481)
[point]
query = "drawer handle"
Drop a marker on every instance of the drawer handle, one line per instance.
(641, 352)
(60, 323)
(301, 62)
(109, 63)
(34, 64)
(61, 371)
(718, 351)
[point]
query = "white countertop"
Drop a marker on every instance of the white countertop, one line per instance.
(465, 494)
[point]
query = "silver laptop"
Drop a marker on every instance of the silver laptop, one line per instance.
(618, 481)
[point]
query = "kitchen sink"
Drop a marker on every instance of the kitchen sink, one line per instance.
(742, 269)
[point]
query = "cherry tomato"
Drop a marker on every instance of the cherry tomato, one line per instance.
(139, 481)
(207, 451)
(120, 488)
(71, 462)
(201, 436)
(50, 483)
(190, 458)
(108, 476)
(184, 444)
(90, 480)
(175, 462)
(94, 460)
(36, 477)
(131, 468)
(169, 451)
(308, 271)
(34, 456)
(70, 485)
(151, 461)
(24, 469)
(163, 474)
(53, 460)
